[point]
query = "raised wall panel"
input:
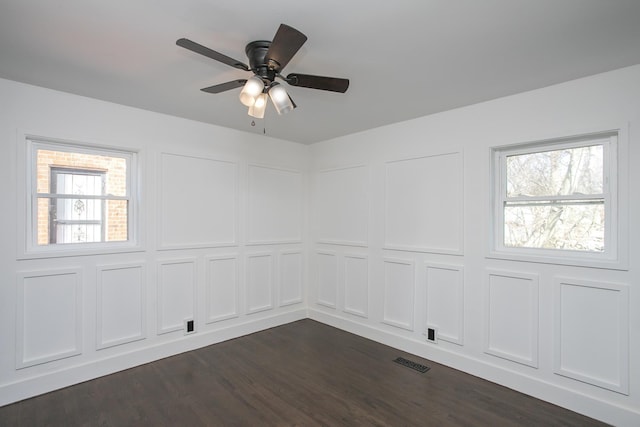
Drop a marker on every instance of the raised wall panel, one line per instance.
(445, 301)
(259, 290)
(511, 309)
(120, 304)
(291, 272)
(274, 205)
(327, 288)
(591, 332)
(342, 205)
(356, 285)
(399, 293)
(176, 294)
(49, 316)
(198, 202)
(424, 204)
(221, 288)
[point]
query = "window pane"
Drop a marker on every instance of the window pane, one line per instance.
(83, 221)
(78, 233)
(568, 171)
(113, 168)
(577, 226)
(43, 222)
(72, 181)
(116, 218)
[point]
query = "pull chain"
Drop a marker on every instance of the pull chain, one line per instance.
(264, 126)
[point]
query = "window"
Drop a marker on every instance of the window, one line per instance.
(81, 197)
(557, 199)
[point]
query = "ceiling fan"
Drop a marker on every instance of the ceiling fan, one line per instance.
(267, 59)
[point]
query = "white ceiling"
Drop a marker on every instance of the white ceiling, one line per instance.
(405, 58)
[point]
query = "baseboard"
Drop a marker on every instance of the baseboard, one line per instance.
(607, 412)
(44, 383)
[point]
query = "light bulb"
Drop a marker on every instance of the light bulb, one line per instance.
(280, 99)
(258, 108)
(251, 90)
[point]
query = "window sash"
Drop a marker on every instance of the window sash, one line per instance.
(81, 196)
(559, 202)
(38, 144)
(554, 199)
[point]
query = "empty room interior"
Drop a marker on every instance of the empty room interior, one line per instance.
(448, 182)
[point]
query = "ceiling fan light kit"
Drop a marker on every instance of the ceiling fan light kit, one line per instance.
(266, 61)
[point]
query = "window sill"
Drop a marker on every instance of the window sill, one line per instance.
(85, 250)
(561, 259)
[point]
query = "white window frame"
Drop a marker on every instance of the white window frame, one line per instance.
(30, 247)
(614, 255)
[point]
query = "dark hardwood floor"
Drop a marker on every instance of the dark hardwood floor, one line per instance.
(303, 374)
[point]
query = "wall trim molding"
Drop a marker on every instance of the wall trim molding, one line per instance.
(101, 342)
(161, 328)
(530, 359)
(460, 287)
(23, 360)
(560, 366)
(345, 283)
(209, 261)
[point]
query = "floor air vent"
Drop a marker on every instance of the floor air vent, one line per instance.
(413, 365)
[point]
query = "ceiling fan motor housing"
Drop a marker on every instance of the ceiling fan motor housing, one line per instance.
(265, 69)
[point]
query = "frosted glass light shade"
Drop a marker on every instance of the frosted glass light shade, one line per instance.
(257, 109)
(280, 99)
(251, 90)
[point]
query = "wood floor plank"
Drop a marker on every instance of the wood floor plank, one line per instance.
(300, 374)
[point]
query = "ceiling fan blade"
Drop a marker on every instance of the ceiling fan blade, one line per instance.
(284, 46)
(202, 50)
(224, 86)
(333, 84)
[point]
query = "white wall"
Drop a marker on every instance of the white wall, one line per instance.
(223, 223)
(388, 235)
(400, 225)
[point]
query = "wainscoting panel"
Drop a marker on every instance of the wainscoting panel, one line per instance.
(399, 293)
(424, 204)
(511, 310)
(49, 316)
(221, 288)
(342, 205)
(176, 294)
(259, 286)
(121, 304)
(291, 273)
(445, 301)
(589, 346)
(274, 205)
(356, 284)
(327, 289)
(198, 202)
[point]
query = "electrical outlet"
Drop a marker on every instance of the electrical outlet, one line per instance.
(189, 326)
(432, 335)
